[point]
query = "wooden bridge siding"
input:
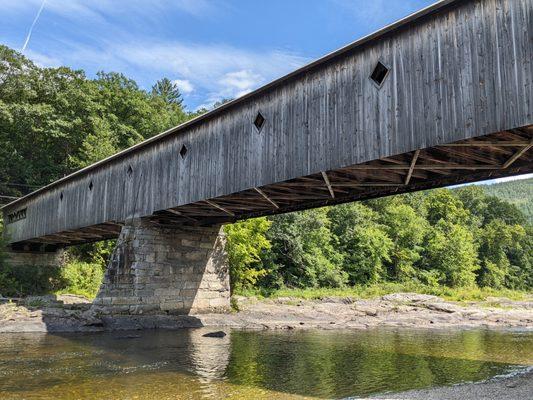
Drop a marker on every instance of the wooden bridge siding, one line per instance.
(462, 73)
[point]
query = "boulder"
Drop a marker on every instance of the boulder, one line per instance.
(217, 334)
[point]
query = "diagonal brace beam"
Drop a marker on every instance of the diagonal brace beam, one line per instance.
(213, 204)
(328, 184)
(266, 197)
(412, 167)
(517, 155)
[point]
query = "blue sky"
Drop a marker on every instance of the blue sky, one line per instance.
(213, 49)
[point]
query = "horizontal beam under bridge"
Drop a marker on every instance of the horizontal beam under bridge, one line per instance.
(453, 82)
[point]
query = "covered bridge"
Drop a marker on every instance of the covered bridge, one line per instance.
(444, 96)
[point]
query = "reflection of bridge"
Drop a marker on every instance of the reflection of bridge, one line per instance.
(444, 96)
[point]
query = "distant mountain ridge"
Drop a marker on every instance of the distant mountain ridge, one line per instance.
(518, 192)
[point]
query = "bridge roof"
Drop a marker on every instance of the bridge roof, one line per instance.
(365, 40)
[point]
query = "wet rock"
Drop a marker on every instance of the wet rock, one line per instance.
(217, 334)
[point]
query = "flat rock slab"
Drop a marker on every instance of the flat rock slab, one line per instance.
(401, 310)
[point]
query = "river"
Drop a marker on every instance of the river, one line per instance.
(252, 364)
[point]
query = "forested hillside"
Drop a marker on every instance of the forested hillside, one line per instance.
(519, 193)
(56, 120)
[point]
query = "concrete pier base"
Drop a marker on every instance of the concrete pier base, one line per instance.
(156, 270)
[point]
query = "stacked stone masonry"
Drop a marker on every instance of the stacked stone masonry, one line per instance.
(41, 259)
(157, 270)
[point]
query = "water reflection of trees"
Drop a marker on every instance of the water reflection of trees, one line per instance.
(337, 364)
(312, 363)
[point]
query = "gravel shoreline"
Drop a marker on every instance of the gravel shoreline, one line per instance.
(74, 314)
(517, 386)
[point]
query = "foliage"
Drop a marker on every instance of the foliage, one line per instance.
(56, 120)
(407, 230)
(519, 193)
(364, 243)
(75, 278)
(16, 281)
(93, 253)
(458, 239)
(451, 250)
(303, 252)
(498, 240)
(81, 278)
(384, 288)
(167, 91)
(245, 245)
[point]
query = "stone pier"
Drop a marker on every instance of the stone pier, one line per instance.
(157, 270)
(39, 258)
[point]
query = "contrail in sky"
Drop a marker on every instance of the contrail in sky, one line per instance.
(32, 25)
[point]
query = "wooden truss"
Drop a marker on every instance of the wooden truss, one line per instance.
(501, 154)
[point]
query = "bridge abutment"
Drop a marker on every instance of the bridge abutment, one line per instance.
(159, 270)
(35, 258)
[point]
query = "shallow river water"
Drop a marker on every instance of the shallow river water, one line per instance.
(251, 365)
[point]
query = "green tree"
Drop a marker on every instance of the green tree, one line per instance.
(441, 204)
(362, 241)
(450, 249)
(168, 91)
(498, 239)
(246, 242)
(302, 253)
(407, 230)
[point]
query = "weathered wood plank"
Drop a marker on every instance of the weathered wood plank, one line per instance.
(460, 72)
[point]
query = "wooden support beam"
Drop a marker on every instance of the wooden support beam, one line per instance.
(443, 166)
(485, 144)
(328, 184)
(211, 203)
(517, 155)
(179, 213)
(266, 197)
(367, 184)
(412, 167)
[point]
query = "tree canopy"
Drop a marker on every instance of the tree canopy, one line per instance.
(56, 120)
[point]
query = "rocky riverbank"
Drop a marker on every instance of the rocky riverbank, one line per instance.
(516, 387)
(73, 314)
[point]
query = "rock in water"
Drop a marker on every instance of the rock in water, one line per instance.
(217, 334)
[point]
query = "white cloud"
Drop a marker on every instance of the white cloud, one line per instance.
(96, 9)
(215, 71)
(42, 60)
(239, 83)
(184, 85)
(204, 72)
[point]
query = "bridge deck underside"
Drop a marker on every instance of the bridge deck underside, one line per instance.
(496, 155)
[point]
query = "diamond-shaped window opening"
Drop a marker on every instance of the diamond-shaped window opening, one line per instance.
(259, 121)
(379, 74)
(130, 170)
(61, 196)
(183, 151)
(91, 185)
